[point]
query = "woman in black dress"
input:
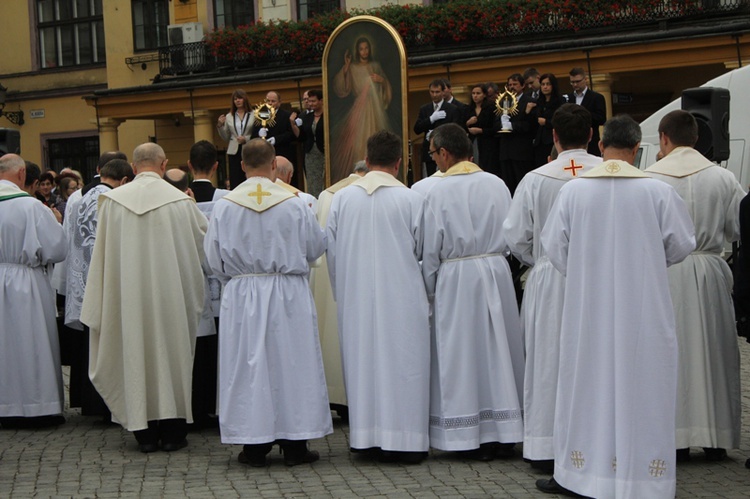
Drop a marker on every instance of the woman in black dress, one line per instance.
(548, 102)
(479, 121)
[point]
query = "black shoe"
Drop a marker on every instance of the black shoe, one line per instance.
(147, 448)
(173, 446)
(386, 456)
(545, 466)
(747, 463)
(255, 462)
(552, 487)
(683, 455)
(309, 456)
(485, 453)
(504, 451)
(715, 454)
(412, 457)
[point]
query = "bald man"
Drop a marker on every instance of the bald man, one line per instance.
(31, 391)
(284, 174)
(279, 134)
(143, 302)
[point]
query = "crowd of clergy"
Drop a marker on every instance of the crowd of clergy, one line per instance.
(261, 308)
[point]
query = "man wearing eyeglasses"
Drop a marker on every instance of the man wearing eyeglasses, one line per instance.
(592, 101)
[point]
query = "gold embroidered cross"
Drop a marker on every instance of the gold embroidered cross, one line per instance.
(573, 167)
(259, 193)
(576, 457)
(657, 468)
(612, 168)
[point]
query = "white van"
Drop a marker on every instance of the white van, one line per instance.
(737, 81)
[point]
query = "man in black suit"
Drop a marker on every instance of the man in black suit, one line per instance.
(517, 132)
(594, 102)
(103, 160)
(309, 129)
(431, 116)
(280, 135)
(450, 99)
(532, 84)
(203, 163)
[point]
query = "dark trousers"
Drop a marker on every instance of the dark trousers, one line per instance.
(236, 175)
(82, 391)
(169, 431)
(204, 378)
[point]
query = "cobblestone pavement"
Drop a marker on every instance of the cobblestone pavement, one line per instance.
(83, 459)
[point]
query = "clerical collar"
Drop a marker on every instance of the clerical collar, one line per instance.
(462, 168)
(201, 180)
(106, 185)
(614, 168)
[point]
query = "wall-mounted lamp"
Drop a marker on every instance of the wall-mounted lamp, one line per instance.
(15, 117)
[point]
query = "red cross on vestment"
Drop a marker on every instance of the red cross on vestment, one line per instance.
(573, 167)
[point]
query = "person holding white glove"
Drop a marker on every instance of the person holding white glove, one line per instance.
(279, 133)
(431, 116)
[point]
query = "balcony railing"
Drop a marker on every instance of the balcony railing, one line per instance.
(463, 22)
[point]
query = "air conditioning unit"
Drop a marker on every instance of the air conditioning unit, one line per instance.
(185, 33)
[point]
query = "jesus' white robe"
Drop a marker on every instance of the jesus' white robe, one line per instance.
(271, 381)
(375, 243)
(541, 309)
(708, 387)
(30, 374)
(320, 283)
(143, 300)
(477, 349)
(613, 238)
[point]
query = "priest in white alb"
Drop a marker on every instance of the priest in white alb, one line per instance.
(477, 349)
(328, 324)
(374, 246)
(612, 233)
(260, 241)
(143, 302)
(31, 383)
(708, 387)
(82, 223)
(541, 309)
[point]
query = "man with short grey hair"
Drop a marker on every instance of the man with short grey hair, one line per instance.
(31, 391)
(612, 233)
(143, 302)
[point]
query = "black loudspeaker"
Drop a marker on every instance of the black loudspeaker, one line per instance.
(10, 141)
(710, 107)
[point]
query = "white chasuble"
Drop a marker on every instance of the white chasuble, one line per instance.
(375, 243)
(708, 387)
(320, 284)
(613, 233)
(143, 300)
(260, 242)
(541, 309)
(477, 349)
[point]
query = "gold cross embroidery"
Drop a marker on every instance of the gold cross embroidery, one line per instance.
(612, 168)
(576, 457)
(657, 468)
(573, 167)
(259, 193)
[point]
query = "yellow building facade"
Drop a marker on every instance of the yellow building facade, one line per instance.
(90, 79)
